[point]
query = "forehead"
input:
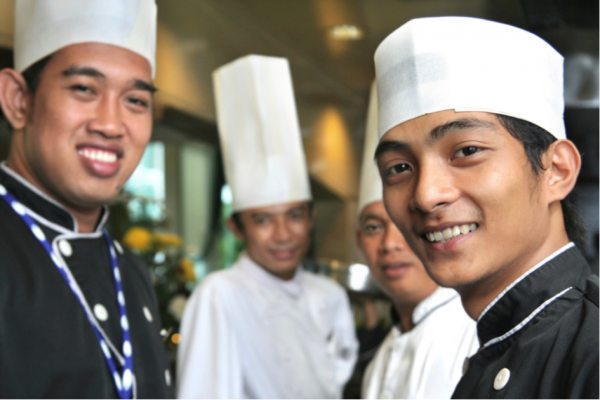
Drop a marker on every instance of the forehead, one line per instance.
(374, 210)
(112, 61)
(276, 209)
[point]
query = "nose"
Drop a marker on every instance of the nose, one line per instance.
(393, 240)
(107, 121)
(282, 231)
(434, 187)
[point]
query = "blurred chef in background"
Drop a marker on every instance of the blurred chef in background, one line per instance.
(265, 328)
(424, 353)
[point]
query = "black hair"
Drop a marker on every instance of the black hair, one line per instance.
(237, 220)
(536, 141)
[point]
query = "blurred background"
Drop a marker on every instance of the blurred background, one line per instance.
(172, 210)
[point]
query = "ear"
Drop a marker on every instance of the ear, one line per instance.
(13, 97)
(239, 234)
(564, 163)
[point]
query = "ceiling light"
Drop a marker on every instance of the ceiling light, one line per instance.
(346, 32)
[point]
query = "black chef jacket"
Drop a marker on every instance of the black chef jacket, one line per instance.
(544, 331)
(48, 348)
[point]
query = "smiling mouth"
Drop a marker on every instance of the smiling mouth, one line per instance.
(449, 233)
(95, 154)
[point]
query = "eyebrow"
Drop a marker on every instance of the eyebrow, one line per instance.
(435, 134)
(85, 71)
(459, 124)
(94, 73)
(367, 217)
(143, 85)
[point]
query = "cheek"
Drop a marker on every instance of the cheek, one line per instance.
(370, 249)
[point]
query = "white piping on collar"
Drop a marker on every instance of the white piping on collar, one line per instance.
(439, 298)
(527, 273)
(50, 224)
(525, 321)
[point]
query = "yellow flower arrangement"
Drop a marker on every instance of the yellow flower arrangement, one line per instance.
(138, 238)
(167, 239)
(187, 268)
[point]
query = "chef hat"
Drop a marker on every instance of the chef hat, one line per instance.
(259, 131)
(45, 26)
(468, 64)
(371, 189)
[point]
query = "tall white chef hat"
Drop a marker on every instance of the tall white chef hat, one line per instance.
(45, 26)
(468, 64)
(259, 131)
(371, 189)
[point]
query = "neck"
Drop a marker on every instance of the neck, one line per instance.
(86, 217)
(405, 312)
(477, 296)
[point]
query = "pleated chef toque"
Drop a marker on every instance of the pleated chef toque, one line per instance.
(371, 189)
(260, 136)
(45, 26)
(468, 64)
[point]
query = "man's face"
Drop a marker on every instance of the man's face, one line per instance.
(463, 193)
(277, 237)
(89, 123)
(393, 265)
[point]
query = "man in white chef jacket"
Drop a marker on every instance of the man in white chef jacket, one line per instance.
(424, 353)
(265, 328)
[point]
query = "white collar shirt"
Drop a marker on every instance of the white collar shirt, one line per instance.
(248, 334)
(427, 361)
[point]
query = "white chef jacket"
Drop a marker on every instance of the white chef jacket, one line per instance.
(427, 361)
(247, 334)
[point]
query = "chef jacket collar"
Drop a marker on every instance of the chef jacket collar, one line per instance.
(532, 290)
(293, 287)
(41, 207)
(437, 299)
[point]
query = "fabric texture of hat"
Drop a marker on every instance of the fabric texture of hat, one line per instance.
(260, 136)
(371, 189)
(468, 64)
(45, 26)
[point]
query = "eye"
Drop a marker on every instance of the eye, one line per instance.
(466, 151)
(297, 215)
(397, 169)
(372, 229)
(82, 89)
(138, 102)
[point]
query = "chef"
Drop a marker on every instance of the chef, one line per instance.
(423, 354)
(265, 328)
(78, 315)
(477, 174)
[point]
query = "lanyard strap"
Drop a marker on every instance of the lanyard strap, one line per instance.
(124, 382)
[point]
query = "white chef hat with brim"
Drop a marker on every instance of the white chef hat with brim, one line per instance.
(371, 188)
(468, 64)
(43, 27)
(259, 132)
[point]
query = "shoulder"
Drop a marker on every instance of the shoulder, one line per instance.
(323, 284)
(219, 284)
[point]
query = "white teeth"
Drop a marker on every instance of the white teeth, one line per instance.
(450, 233)
(99, 155)
(464, 229)
(456, 231)
(447, 233)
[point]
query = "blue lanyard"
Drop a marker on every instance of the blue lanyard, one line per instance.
(125, 381)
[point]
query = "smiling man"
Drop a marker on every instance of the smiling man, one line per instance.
(78, 315)
(265, 328)
(423, 355)
(477, 173)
